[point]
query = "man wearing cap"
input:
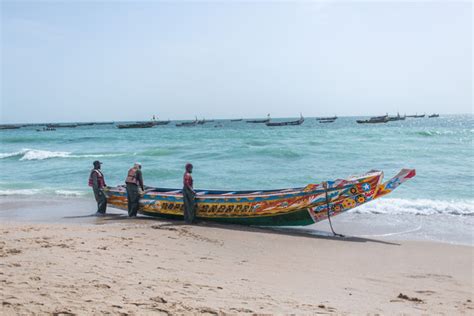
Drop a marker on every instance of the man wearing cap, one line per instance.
(97, 182)
(188, 195)
(133, 181)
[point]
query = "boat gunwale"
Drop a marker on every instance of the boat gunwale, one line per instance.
(282, 193)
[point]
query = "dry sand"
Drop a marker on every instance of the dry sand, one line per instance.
(115, 265)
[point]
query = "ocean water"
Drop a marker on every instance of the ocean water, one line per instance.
(238, 155)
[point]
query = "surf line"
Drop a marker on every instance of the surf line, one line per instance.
(393, 234)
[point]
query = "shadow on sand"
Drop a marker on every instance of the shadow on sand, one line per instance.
(288, 231)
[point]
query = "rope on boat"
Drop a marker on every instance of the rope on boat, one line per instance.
(325, 185)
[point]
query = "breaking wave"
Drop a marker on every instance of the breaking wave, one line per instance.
(20, 192)
(432, 133)
(33, 154)
(36, 154)
(29, 192)
(417, 207)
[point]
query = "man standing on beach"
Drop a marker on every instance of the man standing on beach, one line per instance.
(134, 181)
(188, 195)
(97, 182)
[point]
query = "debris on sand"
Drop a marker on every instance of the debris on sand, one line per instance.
(406, 297)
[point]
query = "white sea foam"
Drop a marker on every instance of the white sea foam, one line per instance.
(27, 192)
(20, 192)
(69, 193)
(33, 154)
(97, 155)
(417, 207)
(13, 154)
(36, 154)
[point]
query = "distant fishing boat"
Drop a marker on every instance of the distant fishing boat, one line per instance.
(433, 115)
(287, 207)
(326, 121)
(187, 124)
(396, 118)
(297, 122)
(136, 125)
(260, 121)
(46, 129)
(85, 124)
(416, 116)
(331, 118)
(62, 125)
(374, 120)
(204, 121)
(236, 120)
(9, 126)
(156, 123)
(104, 123)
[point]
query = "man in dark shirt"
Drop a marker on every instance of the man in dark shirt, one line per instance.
(134, 181)
(97, 182)
(188, 195)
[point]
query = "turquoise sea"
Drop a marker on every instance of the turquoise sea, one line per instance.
(239, 155)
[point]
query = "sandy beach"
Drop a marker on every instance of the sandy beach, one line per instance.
(115, 265)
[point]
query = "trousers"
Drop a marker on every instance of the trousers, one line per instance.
(101, 200)
(189, 205)
(133, 197)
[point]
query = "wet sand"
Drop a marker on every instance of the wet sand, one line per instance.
(112, 264)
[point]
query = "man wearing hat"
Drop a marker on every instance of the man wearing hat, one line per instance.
(134, 181)
(97, 182)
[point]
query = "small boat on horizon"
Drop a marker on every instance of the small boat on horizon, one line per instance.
(396, 118)
(136, 125)
(156, 123)
(46, 129)
(187, 124)
(104, 123)
(204, 121)
(288, 123)
(326, 121)
(433, 115)
(416, 116)
(374, 120)
(236, 120)
(8, 126)
(62, 125)
(333, 118)
(285, 207)
(260, 121)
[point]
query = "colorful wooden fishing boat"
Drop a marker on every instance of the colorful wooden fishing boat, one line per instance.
(287, 207)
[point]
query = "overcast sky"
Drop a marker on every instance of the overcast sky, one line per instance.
(82, 61)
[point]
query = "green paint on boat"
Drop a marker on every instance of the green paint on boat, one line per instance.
(296, 218)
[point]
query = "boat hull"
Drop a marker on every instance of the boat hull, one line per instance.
(287, 207)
